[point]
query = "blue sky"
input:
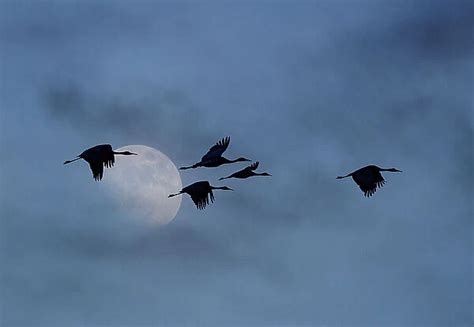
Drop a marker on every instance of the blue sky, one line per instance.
(310, 89)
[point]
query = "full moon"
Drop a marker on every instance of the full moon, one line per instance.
(143, 182)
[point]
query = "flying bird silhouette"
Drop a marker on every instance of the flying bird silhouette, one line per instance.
(99, 156)
(200, 193)
(214, 158)
(369, 178)
(247, 172)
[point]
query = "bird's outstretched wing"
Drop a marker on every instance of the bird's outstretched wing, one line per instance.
(97, 168)
(201, 199)
(253, 166)
(107, 155)
(369, 187)
(217, 149)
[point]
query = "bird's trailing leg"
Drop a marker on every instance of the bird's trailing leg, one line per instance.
(189, 167)
(176, 194)
(340, 177)
(69, 161)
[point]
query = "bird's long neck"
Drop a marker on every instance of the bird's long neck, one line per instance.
(226, 161)
(393, 170)
(124, 153)
(69, 161)
(220, 188)
(235, 160)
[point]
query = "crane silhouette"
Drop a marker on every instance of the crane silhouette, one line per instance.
(369, 178)
(99, 156)
(200, 193)
(247, 172)
(214, 158)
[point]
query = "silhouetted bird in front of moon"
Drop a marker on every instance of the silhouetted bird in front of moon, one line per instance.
(214, 158)
(99, 156)
(369, 178)
(200, 193)
(247, 172)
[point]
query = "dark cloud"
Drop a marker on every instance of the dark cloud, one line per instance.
(143, 118)
(439, 34)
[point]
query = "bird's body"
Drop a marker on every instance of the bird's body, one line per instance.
(98, 157)
(247, 172)
(201, 193)
(213, 158)
(369, 178)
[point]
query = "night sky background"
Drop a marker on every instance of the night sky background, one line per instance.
(312, 90)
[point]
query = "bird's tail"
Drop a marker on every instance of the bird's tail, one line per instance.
(69, 161)
(340, 177)
(175, 194)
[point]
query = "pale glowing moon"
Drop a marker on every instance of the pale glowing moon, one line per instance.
(142, 184)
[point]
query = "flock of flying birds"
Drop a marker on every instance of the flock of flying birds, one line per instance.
(368, 178)
(201, 192)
